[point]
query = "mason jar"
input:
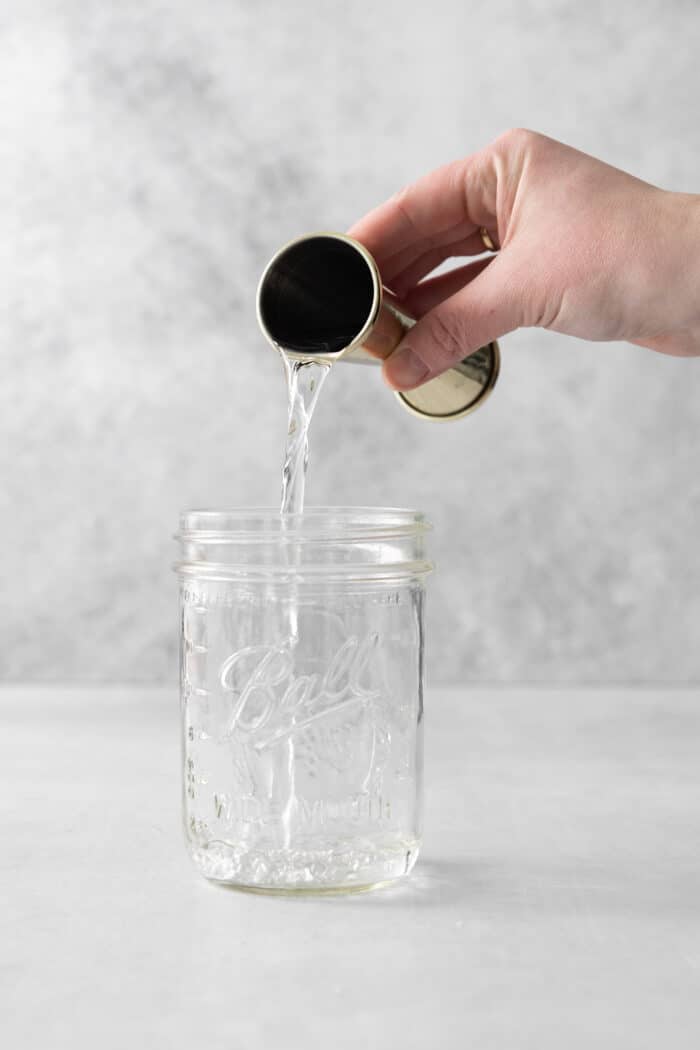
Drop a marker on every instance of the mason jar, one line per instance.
(302, 695)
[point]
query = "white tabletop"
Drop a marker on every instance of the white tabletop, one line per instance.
(556, 902)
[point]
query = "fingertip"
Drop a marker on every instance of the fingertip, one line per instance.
(387, 377)
(405, 370)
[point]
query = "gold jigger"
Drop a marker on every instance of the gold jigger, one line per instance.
(321, 298)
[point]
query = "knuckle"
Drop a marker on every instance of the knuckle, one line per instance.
(402, 200)
(447, 339)
(400, 195)
(518, 139)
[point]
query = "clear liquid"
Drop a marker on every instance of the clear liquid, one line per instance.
(304, 382)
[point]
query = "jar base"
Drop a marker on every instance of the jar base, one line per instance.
(349, 869)
(306, 891)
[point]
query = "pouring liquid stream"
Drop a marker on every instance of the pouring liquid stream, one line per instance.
(304, 381)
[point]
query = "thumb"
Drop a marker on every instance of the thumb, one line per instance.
(481, 311)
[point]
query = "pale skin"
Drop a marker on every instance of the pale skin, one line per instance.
(585, 250)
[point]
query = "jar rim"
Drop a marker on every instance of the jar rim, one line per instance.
(315, 524)
(344, 544)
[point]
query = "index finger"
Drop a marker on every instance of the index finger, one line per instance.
(461, 193)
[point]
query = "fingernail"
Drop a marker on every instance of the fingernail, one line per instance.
(404, 369)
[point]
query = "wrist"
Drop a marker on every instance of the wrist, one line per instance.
(681, 216)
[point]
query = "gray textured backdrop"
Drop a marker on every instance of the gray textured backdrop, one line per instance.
(153, 155)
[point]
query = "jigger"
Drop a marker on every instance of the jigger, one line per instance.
(321, 298)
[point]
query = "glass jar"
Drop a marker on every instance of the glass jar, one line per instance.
(302, 695)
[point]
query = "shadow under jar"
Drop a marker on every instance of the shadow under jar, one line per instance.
(302, 695)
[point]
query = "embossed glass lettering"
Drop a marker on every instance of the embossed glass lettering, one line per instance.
(272, 702)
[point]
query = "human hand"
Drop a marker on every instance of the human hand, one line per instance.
(585, 249)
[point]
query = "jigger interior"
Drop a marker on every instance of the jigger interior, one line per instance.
(319, 295)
